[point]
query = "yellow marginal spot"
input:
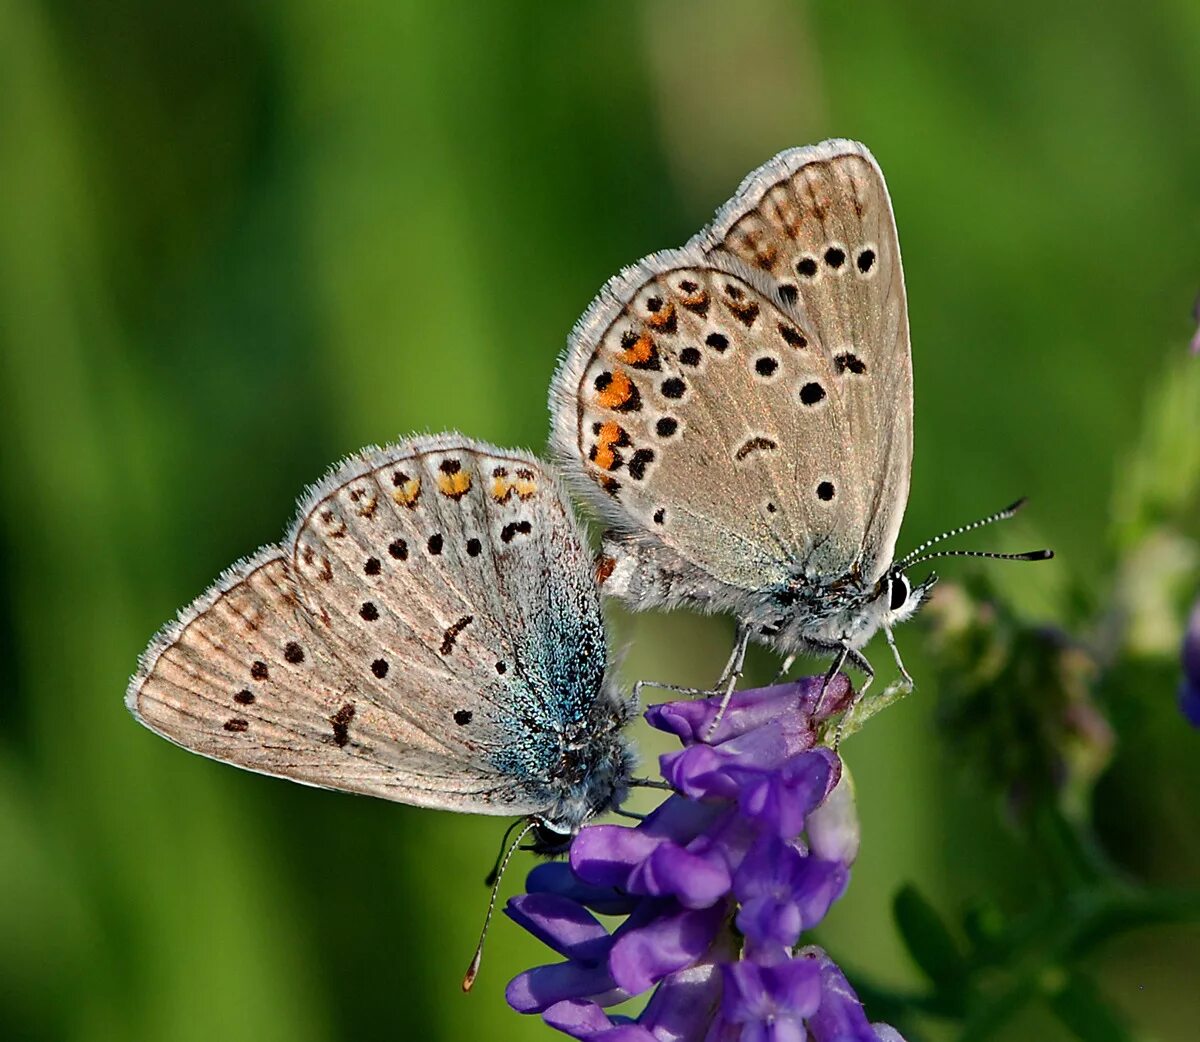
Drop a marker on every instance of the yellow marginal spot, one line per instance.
(617, 393)
(408, 493)
(502, 485)
(610, 434)
(454, 485)
(525, 485)
(640, 351)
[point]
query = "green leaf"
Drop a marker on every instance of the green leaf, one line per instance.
(1077, 1004)
(929, 940)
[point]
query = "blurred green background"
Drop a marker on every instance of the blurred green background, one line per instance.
(238, 241)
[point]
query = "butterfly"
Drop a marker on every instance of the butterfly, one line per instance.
(428, 631)
(739, 412)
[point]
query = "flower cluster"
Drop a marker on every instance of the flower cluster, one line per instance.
(716, 887)
(1189, 690)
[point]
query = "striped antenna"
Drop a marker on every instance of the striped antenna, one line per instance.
(477, 958)
(999, 515)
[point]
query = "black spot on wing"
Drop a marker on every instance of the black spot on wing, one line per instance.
(513, 529)
(754, 445)
(341, 724)
(452, 632)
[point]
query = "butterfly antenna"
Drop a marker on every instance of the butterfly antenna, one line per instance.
(1028, 555)
(494, 874)
(999, 515)
(473, 970)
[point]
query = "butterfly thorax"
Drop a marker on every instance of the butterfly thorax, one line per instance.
(592, 766)
(805, 613)
(816, 615)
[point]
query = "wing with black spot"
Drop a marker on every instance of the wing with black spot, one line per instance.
(698, 410)
(817, 222)
(414, 638)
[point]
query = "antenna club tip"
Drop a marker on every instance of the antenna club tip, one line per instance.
(468, 981)
(1041, 555)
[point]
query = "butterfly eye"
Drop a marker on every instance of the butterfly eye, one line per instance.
(550, 837)
(897, 592)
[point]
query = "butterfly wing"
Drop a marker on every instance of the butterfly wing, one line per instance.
(355, 657)
(701, 412)
(818, 223)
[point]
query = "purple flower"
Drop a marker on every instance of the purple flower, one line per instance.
(716, 888)
(1189, 689)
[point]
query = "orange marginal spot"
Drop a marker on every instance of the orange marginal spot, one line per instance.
(663, 318)
(611, 434)
(454, 485)
(617, 393)
(640, 351)
(766, 257)
(408, 492)
(697, 301)
(604, 568)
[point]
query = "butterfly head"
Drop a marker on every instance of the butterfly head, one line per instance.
(898, 599)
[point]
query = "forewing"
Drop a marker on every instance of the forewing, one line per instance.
(359, 657)
(818, 222)
(704, 413)
(450, 580)
(243, 677)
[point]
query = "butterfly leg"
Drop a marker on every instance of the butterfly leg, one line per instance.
(905, 679)
(843, 653)
(785, 669)
(650, 783)
(675, 689)
(733, 668)
(725, 683)
(859, 661)
(730, 677)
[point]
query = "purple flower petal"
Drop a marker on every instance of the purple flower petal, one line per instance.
(641, 958)
(682, 819)
(784, 891)
(626, 1033)
(556, 877)
(561, 924)
(696, 880)
(782, 799)
(750, 710)
(1190, 653)
(1189, 690)
(578, 1018)
(840, 1017)
(770, 921)
(1189, 703)
(588, 1022)
(768, 996)
(698, 771)
(833, 830)
(753, 833)
(684, 1004)
(536, 989)
(605, 855)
